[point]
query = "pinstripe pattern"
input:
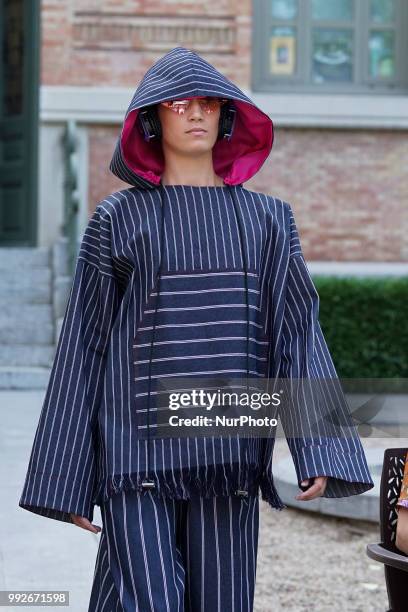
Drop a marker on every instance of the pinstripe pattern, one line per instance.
(203, 337)
(91, 437)
(305, 354)
(176, 555)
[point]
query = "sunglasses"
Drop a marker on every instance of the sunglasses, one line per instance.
(209, 104)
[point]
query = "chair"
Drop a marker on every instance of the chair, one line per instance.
(395, 561)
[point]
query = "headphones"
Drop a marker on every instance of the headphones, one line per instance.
(149, 123)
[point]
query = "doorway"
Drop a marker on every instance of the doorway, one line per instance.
(19, 121)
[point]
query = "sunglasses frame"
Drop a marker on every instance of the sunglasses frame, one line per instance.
(183, 108)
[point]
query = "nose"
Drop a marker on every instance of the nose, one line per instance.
(195, 109)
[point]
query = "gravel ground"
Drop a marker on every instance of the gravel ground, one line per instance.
(308, 562)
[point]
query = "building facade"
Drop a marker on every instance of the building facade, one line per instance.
(332, 76)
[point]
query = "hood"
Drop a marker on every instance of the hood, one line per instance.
(182, 73)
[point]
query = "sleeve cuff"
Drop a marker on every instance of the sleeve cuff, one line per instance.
(347, 473)
(50, 496)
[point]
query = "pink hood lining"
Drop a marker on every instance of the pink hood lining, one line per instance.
(236, 161)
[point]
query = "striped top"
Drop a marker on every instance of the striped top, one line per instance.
(216, 276)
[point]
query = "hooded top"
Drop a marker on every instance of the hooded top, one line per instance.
(180, 281)
(181, 73)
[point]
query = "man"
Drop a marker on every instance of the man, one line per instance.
(184, 274)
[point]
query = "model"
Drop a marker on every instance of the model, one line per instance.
(184, 273)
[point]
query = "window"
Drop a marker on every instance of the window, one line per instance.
(331, 45)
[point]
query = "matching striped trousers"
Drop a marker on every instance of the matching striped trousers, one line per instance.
(168, 555)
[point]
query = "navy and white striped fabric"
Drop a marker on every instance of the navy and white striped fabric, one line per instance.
(90, 442)
(158, 553)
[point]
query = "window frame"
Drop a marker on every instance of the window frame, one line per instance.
(363, 83)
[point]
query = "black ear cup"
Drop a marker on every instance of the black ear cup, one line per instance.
(149, 123)
(227, 121)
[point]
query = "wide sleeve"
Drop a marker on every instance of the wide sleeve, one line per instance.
(62, 467)
(318, 425)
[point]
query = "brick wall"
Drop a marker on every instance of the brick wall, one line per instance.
(348, 188)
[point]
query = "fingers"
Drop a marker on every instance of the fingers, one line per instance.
(316, 490)
(84, 523)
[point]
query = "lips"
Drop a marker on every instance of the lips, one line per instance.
(196, 131)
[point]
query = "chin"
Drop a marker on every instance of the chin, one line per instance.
(200, 147)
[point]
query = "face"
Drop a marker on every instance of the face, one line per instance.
(177, 129)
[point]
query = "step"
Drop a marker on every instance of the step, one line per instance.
(41, 294)
(27, 355)
(18, 329)
(25, 276)
(24, 377)
(17, 257)
(36, 313)
(26, 323)
(19, 286)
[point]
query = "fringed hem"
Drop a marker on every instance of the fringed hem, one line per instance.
(207, 481)
(274, 501)
(270, 495)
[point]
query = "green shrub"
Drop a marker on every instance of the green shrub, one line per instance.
(365, 323)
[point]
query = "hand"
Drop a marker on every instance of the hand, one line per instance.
(316, 490)
(82, 521)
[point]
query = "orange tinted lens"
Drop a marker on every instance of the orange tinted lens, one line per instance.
(176, 105)
(208, 104)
